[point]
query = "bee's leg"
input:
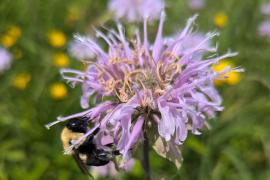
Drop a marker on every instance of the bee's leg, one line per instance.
(86, 147)
(91, 136)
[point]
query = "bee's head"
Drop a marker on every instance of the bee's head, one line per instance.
(77, 125)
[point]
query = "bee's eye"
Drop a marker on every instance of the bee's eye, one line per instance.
(77, 125)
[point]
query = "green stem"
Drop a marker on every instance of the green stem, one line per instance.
(145, 163)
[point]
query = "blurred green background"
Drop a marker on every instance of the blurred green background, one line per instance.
(33, 93)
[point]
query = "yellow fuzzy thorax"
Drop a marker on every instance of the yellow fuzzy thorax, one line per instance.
(67, 136)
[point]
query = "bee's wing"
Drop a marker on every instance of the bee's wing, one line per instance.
(81, 164)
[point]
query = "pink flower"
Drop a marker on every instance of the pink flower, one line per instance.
(109, 169)
(265, 9)
(165, 88)
(264, 29)
(196, 4)
(5, 60)
(136, 10)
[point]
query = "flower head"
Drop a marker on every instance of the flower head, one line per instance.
(60, 60)
(136, 10)
(196, 4)
(56, 38)
(73, 15)
(264, 29)
(161, 88)
(221, 19)
(11, 36)
(21, 81)
(265, 9)
(14, 31)
(5, 60)
(58, 91)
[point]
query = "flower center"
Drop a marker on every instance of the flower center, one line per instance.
(155, 79)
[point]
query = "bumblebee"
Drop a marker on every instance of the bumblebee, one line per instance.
(87, 153)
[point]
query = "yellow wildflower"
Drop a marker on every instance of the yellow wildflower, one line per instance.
(221, 19)
(11, 36)
(73, 14)
(232, 77)
(58, 91)
(21, 81)
(8, 41)
(60, 60)
(57, 38)
(14, 31)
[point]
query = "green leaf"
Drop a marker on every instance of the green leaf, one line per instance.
(169, 150)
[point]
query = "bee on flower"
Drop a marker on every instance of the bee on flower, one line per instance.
(159, 91)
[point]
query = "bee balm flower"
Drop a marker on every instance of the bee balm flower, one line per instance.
(264, 29)
(5, 60)
(162, 90)
(196, 4)
(265, 9)
(136, 10)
